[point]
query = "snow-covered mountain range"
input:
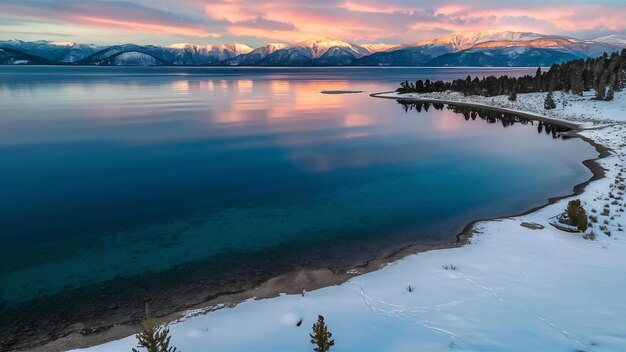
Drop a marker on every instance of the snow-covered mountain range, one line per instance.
(488, 48)
(466, 40)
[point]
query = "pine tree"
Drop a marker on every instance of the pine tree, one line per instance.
(427, 86)
(549, 102)
(538, 80)
(513, 94)
(321, 337)
(153, 338)
(617, 83)
(577, 214)
(419, 86)
(601, 89)
(578, 84)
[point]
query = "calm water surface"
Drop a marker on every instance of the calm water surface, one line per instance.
(110, 175)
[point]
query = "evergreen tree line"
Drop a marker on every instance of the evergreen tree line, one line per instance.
(490, 116)
(605, 74)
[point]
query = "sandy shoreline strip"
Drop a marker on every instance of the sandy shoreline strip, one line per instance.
(308, 280)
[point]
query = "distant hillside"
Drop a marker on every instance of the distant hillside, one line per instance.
(514, 56)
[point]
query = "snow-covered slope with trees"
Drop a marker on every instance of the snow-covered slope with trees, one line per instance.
(501, 57)
(465, 40)
(314, 52)
(378, 47)
(581, 48)
(252, 57)
(190, 54)
(62, 52)
(319, 47)
(614, 39)
(492, 48)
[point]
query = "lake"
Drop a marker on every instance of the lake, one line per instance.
(120, 185)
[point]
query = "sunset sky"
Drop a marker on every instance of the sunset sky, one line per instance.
(256, 22)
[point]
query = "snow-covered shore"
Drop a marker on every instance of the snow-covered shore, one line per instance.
(513, 288)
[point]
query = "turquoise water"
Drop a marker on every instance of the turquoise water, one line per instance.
(200, 175)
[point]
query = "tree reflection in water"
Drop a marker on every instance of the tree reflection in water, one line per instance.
(491, 116)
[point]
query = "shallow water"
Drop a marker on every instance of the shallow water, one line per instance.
(222, 174)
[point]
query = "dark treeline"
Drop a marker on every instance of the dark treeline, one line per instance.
(490, 116)
(606, 74)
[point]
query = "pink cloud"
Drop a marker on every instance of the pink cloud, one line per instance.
(232, 11)
(367, 8)
(366, 20)
(153, 28)
(354, 20)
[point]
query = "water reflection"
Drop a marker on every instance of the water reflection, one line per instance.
(490, 116)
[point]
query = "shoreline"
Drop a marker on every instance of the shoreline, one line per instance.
(525, 114)
(296, 282)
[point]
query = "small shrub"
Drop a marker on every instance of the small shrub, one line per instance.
(590, 236)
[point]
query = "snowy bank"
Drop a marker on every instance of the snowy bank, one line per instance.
(512, 288)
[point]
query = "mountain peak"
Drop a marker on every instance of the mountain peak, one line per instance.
(319, 46)
(274, 46)
(379, 47)
(63, 43)
(322, 41)
(235, 47)
(269, 48)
